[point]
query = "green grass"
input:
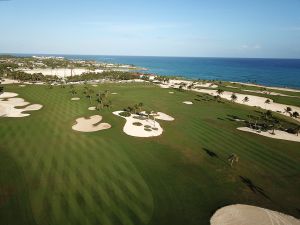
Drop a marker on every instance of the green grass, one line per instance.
(50, 174)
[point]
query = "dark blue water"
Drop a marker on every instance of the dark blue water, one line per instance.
(271, 72)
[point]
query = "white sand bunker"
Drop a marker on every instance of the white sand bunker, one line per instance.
(22, 85)
(114, 93)
(250, 215)
(188, 103)
(95, 85)
(159, 116)
(142, 126)
(9, 81)
(278, 134)
(75, 99)
(171, 92)
(8, 104)
(90, 124)
(92, 108)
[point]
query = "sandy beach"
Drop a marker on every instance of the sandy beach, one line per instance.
(61, 72)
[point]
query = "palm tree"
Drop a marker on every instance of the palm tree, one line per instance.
(148, 113)
(153, 115)
(275, 126)
(73, 91)
(268, 114)
(180, 88)
(233, 97)
(298, 130)
(140, 105)
(246, 99)
(232, 158)
(268, 101)
(220, 91)
(250, 120)
(135, 108)
(295, 114)
(89, 94)
(217, 98)
(288, 110)
(106, 92)
(109, 104)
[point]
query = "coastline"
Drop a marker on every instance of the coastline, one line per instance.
(269, 87)
(279, 73)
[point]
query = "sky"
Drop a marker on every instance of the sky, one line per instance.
(196, 28)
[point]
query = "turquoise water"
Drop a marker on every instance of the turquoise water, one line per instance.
(271, 72)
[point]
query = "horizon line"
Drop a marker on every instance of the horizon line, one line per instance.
(165, 56)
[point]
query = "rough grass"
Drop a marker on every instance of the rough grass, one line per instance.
(50, 174)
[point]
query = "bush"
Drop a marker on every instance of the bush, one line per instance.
(137, 124)
(125, 114)
(147, 129)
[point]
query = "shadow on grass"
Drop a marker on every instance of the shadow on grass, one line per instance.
(255, 189)
(210, 153)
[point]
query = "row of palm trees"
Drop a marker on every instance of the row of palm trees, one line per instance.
(101, 97)
(267, 121)
(287, 110)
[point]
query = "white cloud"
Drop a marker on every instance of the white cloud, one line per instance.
(250, 47)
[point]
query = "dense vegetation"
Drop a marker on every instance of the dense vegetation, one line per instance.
(110, 75)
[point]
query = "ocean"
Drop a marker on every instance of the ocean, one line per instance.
(270, 72)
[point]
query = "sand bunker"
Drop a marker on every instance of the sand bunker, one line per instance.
(186, 83)
(8, 104)
(92, 108)
(114, 93)
(254, 101)
(159, 116)
(188, 103)
(8, 95)
(250, 215)
(142, 126)
(22, 85)
(95, 85)
(9, 81)
(279, 134)
(171, 92)
(90, 124)
(75, 99)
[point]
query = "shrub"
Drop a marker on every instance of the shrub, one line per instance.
(137, 124)
(125, 114)
(147, 129)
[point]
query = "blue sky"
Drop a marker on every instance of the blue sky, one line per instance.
(213, 28)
